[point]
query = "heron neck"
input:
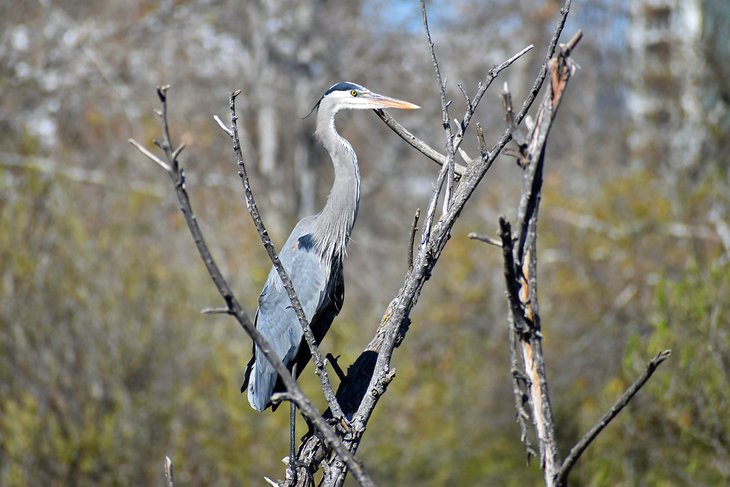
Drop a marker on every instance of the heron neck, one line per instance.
(335, 222)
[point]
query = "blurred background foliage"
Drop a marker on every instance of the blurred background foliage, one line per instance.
(106, 364)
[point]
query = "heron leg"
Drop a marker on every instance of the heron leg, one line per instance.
(292, 464)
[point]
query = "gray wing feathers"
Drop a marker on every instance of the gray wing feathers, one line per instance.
(276, 319)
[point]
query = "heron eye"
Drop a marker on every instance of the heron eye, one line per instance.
(353, 93)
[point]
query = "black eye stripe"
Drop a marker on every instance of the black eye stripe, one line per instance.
(343, 86)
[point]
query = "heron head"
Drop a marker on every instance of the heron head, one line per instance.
(346, 95)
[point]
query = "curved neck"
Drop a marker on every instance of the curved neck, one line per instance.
(336, 220)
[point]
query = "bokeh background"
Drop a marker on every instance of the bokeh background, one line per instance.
(107, 365)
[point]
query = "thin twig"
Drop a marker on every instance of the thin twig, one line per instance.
(548, 56)
(223, 126)
(467, 100)
(568, 47)
(484, 238)
(431, 210)
(518, 135)
(445, 120)
(483, 150)
(150, 155)
(465, 156)
(483, 87)
(616, 408)
(279, 397)
(215, 311)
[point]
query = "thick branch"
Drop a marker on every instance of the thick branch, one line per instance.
(518, 328)
(521, 325)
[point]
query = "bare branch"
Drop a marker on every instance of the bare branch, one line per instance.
(483, 150)
(417, 143)
(616, 408)
(279, 397)
(467, 100)
(520, 264)
(450, 146)
(465, 156)
(150, 155)
(484, 238)
(548, 56)
(568, 47)
(429, 151)
(431, 210)
(176, 153)
(483, 87)
(223, 126)
(518, 326)
(215, 311)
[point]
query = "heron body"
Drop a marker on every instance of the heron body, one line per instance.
(314, 252)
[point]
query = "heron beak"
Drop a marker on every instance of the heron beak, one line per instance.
(380, 101)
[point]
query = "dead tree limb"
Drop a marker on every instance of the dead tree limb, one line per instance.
(526, 326)
(528, 371)
(616, 408)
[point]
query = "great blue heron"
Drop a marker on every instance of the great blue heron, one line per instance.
(313, 253)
